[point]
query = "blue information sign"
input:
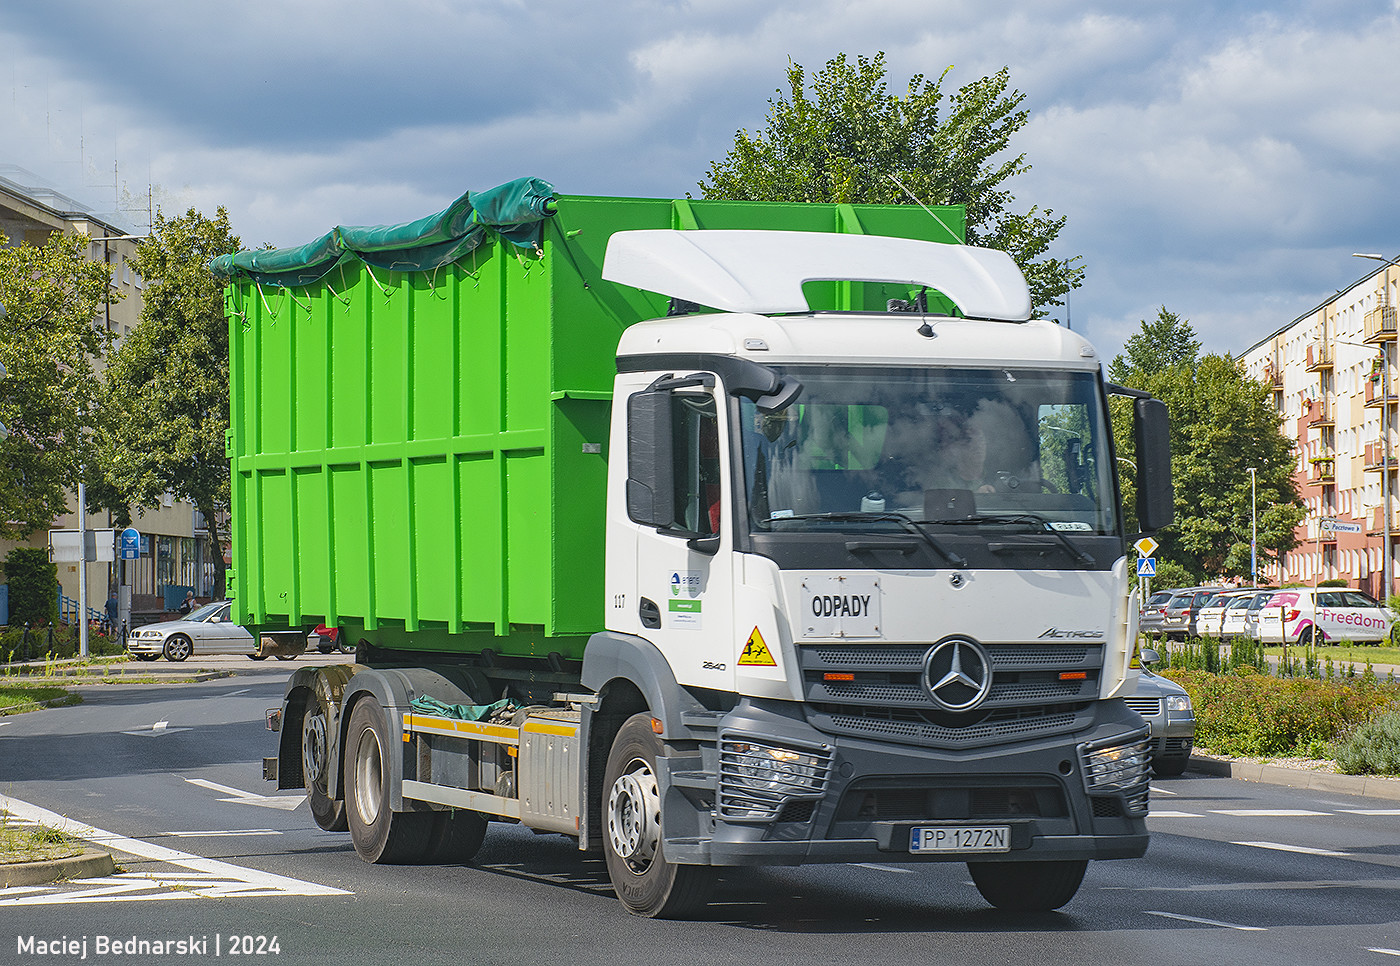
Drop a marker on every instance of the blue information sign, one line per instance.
(131, 544)
(1147, 567)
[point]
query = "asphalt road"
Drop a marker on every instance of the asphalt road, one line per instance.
(169, 777)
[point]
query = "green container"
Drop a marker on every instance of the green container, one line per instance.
(420, 457)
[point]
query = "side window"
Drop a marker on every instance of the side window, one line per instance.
(695, 442)
(1356, 599)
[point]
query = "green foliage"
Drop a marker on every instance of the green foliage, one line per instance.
(1171, 574)
(166, 404)
(849, 140)
(1334, 582)
(1259, 715)
(1372, 748)
(51, 293)
(33, 583)
(1222, 423)
(62, 643)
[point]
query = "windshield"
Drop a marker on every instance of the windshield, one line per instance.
(882, 447)
(205, 612)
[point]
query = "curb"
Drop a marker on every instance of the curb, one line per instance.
(86, 865)
(1368, 786)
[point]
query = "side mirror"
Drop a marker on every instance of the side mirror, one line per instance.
(1149, 656)
(1152, 432)
(651, 491)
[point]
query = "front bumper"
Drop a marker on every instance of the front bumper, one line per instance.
(145, 645)
(874, 793)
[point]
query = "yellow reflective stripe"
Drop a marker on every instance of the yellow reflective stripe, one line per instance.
(564, 731)
(463, 729)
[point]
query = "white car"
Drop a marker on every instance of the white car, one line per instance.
(206, 630)
(1317, 615)
(1241, 617)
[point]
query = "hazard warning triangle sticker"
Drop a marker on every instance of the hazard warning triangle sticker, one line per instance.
(756, 652)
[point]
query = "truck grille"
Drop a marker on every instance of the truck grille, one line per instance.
(875, 691)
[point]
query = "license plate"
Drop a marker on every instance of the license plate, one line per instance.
(961, 838)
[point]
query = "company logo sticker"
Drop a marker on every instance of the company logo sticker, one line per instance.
(756, 652)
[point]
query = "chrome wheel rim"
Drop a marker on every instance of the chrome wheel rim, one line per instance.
(634, 816)
(368, 777)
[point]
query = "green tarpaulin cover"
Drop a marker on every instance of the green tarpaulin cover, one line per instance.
(512, 211)
(463, 712)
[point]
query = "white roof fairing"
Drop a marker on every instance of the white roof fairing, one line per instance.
(763, 271)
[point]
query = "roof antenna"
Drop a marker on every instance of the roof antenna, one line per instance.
(932, 214)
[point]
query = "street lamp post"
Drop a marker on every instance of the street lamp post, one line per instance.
(1387, 564)
(1253, 525)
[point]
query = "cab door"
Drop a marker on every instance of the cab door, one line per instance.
(678, 495)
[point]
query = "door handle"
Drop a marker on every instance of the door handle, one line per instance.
(649, 613)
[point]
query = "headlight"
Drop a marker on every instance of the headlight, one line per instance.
(757, 779)
(1178, 702)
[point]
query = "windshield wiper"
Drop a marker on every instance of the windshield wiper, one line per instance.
(891, 516)
(1021, 517)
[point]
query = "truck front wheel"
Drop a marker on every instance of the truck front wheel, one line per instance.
(1028, 886)
(380, 834)
(647, 884)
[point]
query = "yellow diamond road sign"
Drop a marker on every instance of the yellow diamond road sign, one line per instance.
(1146, 546)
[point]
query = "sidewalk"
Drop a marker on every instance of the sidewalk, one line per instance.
(1317, 774)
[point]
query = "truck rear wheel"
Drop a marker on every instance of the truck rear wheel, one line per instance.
(316, 767)
(643, 879)
(380, 834)
(1028, 886)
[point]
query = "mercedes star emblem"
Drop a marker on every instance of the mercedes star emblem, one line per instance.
(957, 674)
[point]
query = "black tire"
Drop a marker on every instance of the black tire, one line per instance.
(457, 836)
(178, 648)
(325, 648)
(286, 657)
(380, 834)
(633, 845)
(1028, 886)
(1311, 637)
(316, 768)
(146, 657)
(1169, 767)
(257, 656)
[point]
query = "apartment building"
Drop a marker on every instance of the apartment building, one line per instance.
(1334, 379)
(176, 552)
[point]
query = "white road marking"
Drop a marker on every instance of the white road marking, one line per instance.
(1166, 813)
(222, 833)
(1371, 811)
(284, 802)
(232, 693)
(1279, 847)
(1161, 791)
(883, 868)
(1266, 812)
(1207, 922)
(197, 877)
(1383, 950)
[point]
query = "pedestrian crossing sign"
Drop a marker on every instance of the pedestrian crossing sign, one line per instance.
(1147, 566)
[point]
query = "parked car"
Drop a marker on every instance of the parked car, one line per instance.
(1210, 618)
(1166, 707)
(1154, 612)
(206, 630)
(1317, 615)
(1179, 621)
(327, 639)
(1241, 617)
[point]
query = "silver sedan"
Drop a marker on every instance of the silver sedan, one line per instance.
(206, 630)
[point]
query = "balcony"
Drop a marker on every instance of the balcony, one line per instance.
(1323, 470)
(1272, 376)
(1380, 324)
(1375, 522)
(1320, 413)
(1375, 457)
(1374, 394)
(1319, 357)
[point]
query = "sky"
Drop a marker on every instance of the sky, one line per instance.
(1219, 158)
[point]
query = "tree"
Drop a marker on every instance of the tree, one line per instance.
(851, 141)
(52, 294)
(167, 404)
(1222, 423)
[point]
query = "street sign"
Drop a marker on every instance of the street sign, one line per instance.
(1146, 546)
(131, 544)
(1147, 567)
(65, 548)
(1339, 526)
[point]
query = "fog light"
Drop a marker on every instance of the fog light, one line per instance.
(756, 779)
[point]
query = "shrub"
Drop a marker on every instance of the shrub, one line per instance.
(1258, 715)
(1372, 748)
(33, 583)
